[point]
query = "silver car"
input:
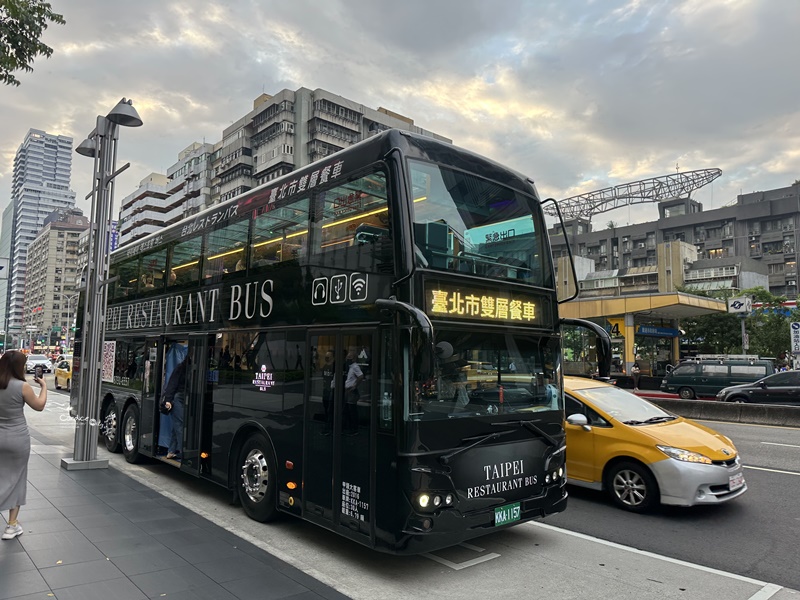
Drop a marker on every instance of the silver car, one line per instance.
(38, 360)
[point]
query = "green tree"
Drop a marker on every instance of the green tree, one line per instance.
(718, 333)
(22, 23)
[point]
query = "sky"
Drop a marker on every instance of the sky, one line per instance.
(577, 94)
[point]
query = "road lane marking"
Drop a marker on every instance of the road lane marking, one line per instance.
(777, 444)
(768, 591)
(772, 470)
(675, 561)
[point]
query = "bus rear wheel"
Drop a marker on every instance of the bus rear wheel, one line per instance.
(686, 393)
(111, 427)
(257, 479)
(130, 434)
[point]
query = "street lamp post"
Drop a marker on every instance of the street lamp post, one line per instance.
(102, 146)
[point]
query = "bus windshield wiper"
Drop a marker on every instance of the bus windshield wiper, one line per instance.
(533, 427)
(445, 459)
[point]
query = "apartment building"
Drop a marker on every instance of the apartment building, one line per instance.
(281, 133)
(749, 243)
(50, 290)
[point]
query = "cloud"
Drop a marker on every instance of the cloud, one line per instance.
(576, 94)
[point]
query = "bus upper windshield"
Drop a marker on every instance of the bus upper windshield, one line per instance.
(471, 225)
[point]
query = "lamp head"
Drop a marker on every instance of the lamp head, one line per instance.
(87, 147)
(124, 114)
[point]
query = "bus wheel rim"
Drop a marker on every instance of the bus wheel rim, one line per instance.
(630, 488)
(111, 424)
(255, 475)
(130, 433)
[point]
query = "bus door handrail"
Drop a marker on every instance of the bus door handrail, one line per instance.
(420, 320)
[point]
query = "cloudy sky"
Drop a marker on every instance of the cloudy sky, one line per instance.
(577, 94)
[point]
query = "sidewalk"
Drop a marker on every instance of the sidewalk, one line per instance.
(101, 535)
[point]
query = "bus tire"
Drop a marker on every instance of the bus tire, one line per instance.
(256, 479)
(686, 393)
(111, 427)
(130, 434)
(632, 487)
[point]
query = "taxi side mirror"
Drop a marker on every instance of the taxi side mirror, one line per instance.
(580, 420)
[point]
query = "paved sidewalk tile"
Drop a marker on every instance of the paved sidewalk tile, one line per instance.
(94, 535)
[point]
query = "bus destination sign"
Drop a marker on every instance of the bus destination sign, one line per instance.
(462, 302)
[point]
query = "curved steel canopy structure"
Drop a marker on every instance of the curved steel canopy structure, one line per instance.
(654, 189)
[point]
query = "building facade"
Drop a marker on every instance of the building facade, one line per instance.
(162, 200)
(51, 298)
(39, 186)
(749, 243)
(283, 132)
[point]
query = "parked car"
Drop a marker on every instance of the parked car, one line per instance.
(642, 455)
(780, 388)
(707, 377)
(38, 360)
(64, 374)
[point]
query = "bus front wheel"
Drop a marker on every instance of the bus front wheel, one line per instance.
(130, 434)
(257, 479)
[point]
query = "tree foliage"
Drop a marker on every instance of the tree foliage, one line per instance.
(22, 23)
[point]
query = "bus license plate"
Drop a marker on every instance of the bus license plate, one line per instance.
(736, 481)
(507, 514)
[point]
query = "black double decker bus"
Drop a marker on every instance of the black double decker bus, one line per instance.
(370, 343)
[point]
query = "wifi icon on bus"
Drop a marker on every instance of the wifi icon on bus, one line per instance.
(358, 287)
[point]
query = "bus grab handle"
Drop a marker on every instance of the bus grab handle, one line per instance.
(423, 346)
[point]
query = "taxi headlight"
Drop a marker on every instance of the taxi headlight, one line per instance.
(685, 455)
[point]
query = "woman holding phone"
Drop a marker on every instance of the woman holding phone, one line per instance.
(15, 441)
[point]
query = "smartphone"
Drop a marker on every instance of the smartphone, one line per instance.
(38, 371)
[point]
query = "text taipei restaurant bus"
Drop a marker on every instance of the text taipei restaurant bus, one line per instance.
(370, 343)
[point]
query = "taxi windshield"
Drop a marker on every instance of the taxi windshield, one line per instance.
(624, 406)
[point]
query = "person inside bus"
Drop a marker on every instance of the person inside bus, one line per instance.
(147, 280)
(174, 395)
(353, 376)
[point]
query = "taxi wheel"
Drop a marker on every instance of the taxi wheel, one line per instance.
(58, 387)
(686, 393)
(632, 487)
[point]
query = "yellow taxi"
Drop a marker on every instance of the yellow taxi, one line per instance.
(641, 455)
(64, 373)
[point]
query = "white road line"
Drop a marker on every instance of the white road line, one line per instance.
(773, 470)
(675, 561)
(768, 591)
(777, 444)
(463, 565)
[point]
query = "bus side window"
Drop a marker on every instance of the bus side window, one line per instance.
(280, 234)
(185, 263)
(351, 227)
(128, 282)
(226, 250)
(152, 270)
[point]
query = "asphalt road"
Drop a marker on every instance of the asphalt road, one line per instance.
(754, 536)
(757, 535)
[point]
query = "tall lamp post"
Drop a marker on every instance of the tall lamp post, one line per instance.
(102, 146)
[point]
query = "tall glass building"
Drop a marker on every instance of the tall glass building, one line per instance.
(40, 185)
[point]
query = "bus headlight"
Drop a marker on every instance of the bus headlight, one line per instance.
(448, 500)
(424, 500)
(437, 500)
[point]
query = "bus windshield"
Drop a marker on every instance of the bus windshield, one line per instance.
(490, 374)
(472, 225)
